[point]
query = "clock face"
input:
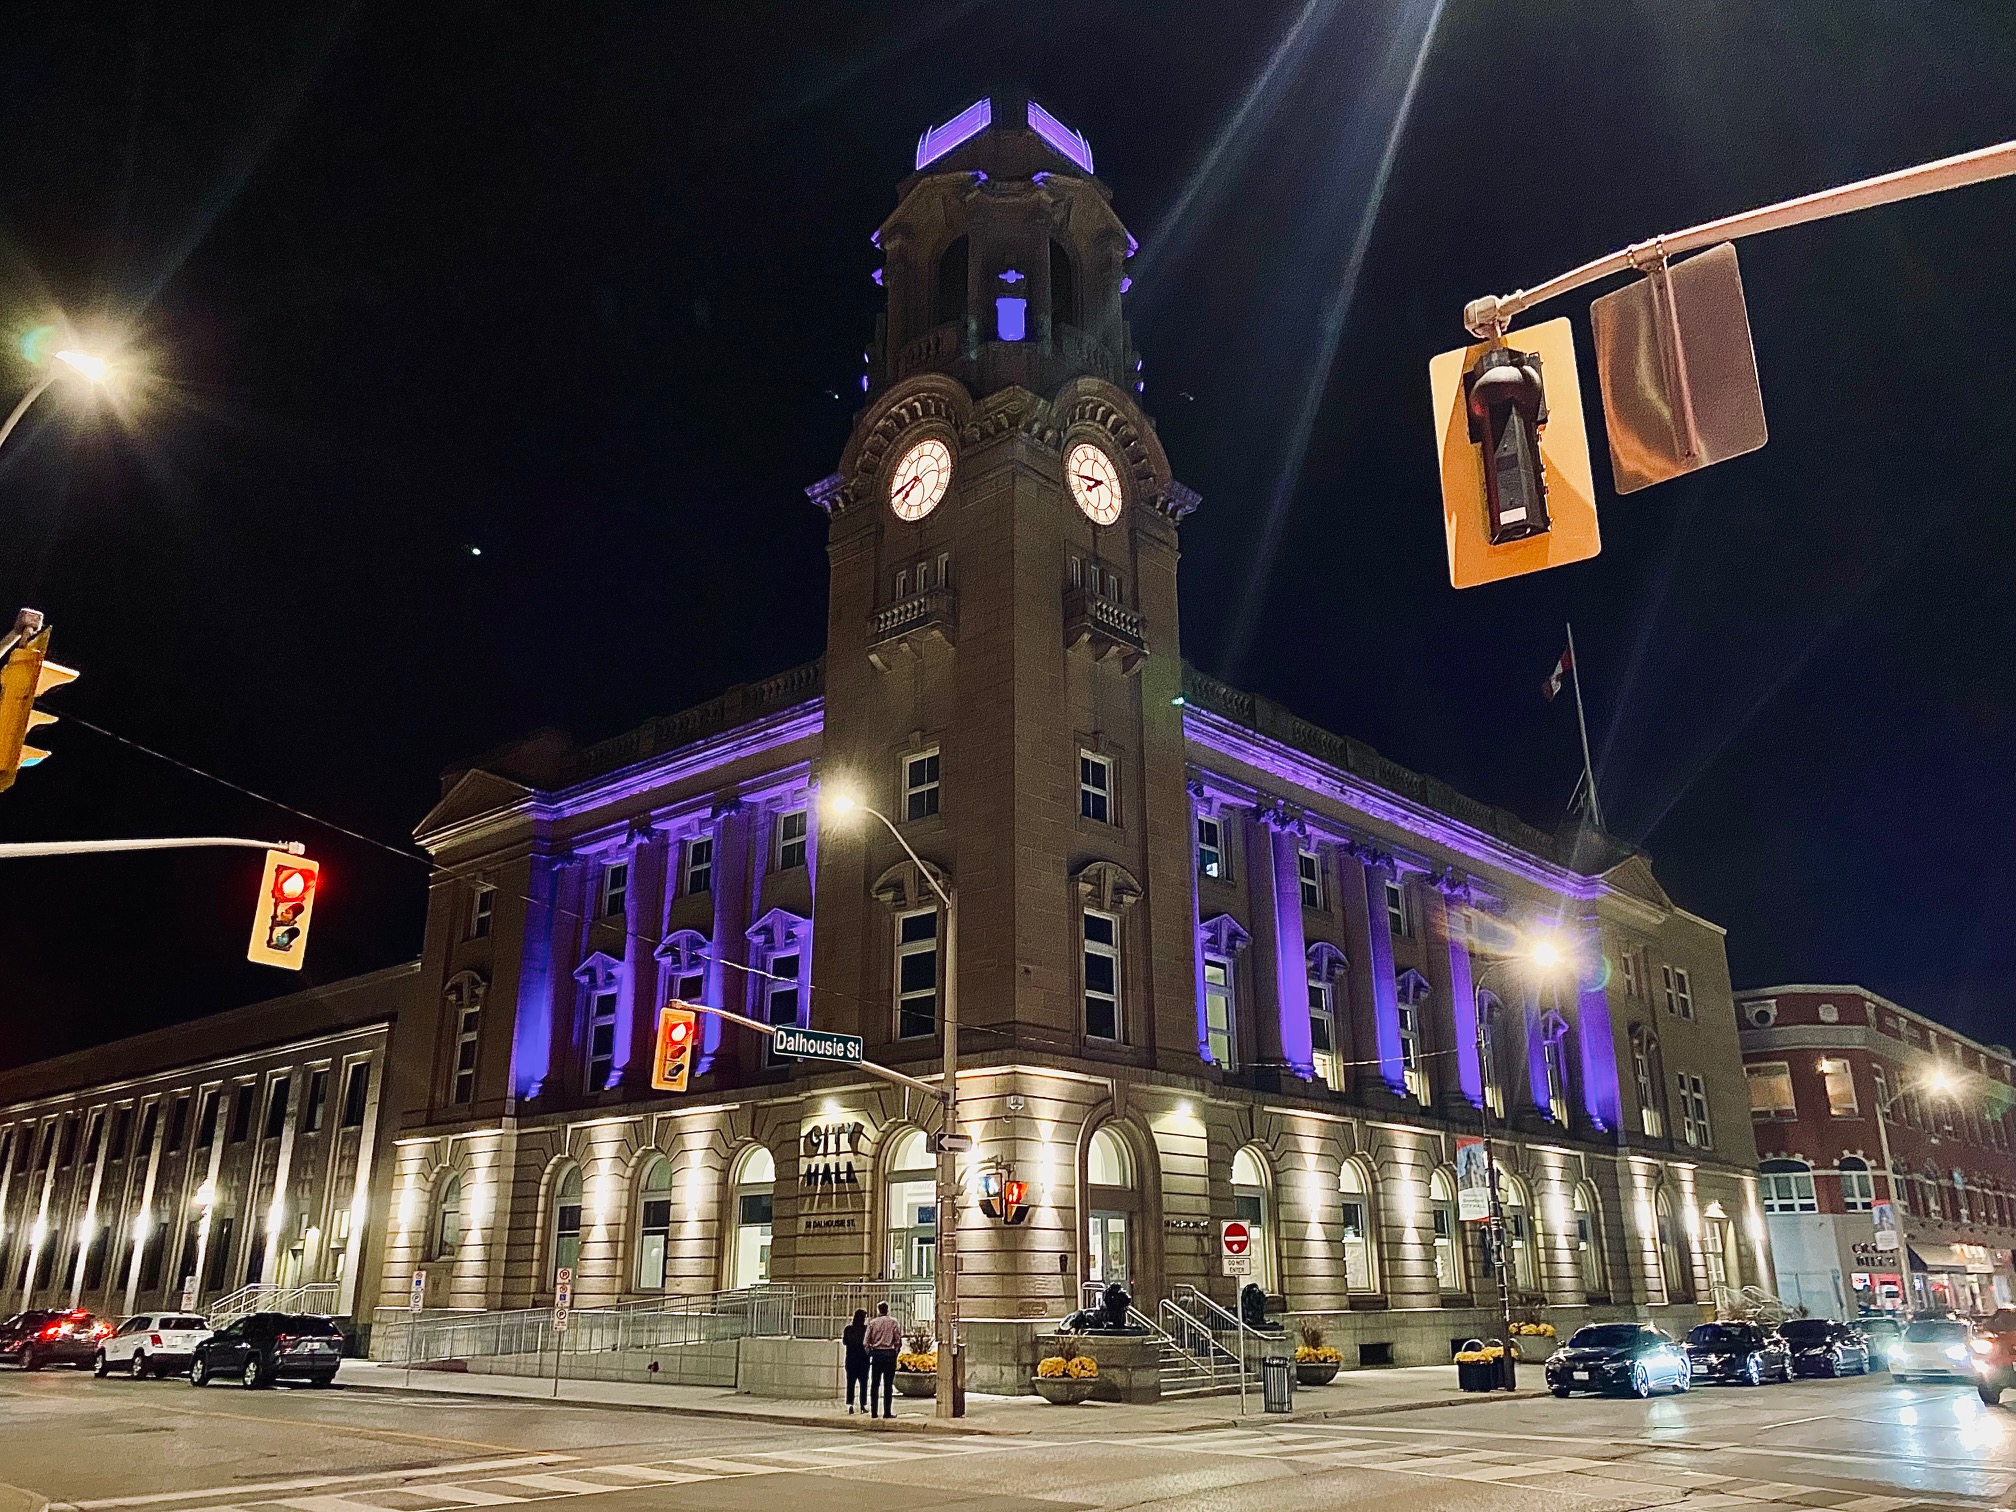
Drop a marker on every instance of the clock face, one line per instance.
(920, 479)
(1095, 482)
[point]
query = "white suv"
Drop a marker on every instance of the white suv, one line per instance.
(152, 1344)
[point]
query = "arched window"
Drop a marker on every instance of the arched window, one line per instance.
(1858, 1188)
(1651, 1080)
(1673, 1267)
(1063, 287)
(1113, 1206)
(1588, 1242)
(654, 1222)
(1788, 1187)
(1251, 1193)
(948, 290)
(912, 1177)
(1442, 1216)
(1522, 1242)
(444, 1235)
(755, 1184)
(1360, 1248)
(1554, 1060)
(567, 1221)
(1718, 1250)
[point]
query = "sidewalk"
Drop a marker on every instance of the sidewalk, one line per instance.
(1354, 1394)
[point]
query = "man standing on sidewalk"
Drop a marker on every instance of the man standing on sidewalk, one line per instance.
(885, 1337)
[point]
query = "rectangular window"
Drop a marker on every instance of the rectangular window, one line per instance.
(1102, 976)
(206, 1126)
(1309, 873)
(1077, 572)
(318, 1099)
(1410, 1050)
(699, 870)
(902, 583)
(1095, 788)
(920, 785)
(1771, 1090)
(615, 893)
(1858, 1189)
(241, 1115)
(1789, 1191)
(356, 1093)
(1210, 848)
(1357, 1246)
(1647, 1076)
(1694, 1126)
(122, 1129)
(178, 1123)
(780, 995)
(1323, 1037)
(792, 827)
(482, 907)
(467, 1024)
(601, 1040)
(1397, 916)
(93, 1137)
(1679, 994)
(66, 1143)
(1634, 972)
(1218, 1037)
(150, 1123)
(1840, 1081)
(917, 973)
(276, 1108)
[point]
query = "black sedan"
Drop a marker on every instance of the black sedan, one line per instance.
(1822, 1347)
(265, 1347)
(63, 1336)
(1633, 1357)
(1740, 1352)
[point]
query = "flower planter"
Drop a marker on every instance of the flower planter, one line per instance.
(1481, 1376)
(916, 1383)
(1065, 1391)
(1316, 1372)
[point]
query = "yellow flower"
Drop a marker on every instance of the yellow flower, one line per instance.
(1318, 1354)
(927, 1362)
(1082, 1368)
(1051, 1368)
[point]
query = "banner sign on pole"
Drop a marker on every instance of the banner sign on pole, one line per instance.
(1885, 1214)
(1473, 1180)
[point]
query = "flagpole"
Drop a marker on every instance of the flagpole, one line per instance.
(1582, 724)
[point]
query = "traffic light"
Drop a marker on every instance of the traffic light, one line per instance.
(26, 673)
(1518, 494)
(280, 916)
(677, 1029)
(1004, 1198)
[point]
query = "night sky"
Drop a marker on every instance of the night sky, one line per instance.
(585, 287)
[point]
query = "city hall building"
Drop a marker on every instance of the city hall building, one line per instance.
(1210, 960)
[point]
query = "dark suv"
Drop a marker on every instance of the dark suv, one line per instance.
(1820, 1346)
(265, 1347)
(62, 1336)
(1738, 1351)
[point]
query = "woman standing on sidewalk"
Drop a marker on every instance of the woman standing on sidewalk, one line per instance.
(854, 1338)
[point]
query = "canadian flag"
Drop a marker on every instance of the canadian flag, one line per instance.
(1560, 675)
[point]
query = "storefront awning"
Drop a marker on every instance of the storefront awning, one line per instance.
(1937, 1257)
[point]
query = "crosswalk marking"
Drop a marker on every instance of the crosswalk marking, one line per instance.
(648, 1473)
(566, 1485)
(460, 1496)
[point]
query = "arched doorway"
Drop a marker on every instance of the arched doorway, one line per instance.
(755, 1182)
(911, 1218)
(1252, 1199)
(1113, 1209)
(1673, 1267)
(1448, 1247)
(654, 1223)
(1588, 1244)
(1360, 1247)
(1522, 1246)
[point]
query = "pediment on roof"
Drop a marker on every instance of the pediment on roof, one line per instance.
(474, 793)
(1633, 877)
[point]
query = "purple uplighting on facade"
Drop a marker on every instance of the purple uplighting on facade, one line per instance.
(1011, 315)
(532, 1029)
(1385, 986)
(1126, 283)
(1291, 957)
(1071, 143)
(970, 122)
(1602, 1094)
(1041, 176)
(1012, 276)
(877, 276)
(1133, 246)
(864, 383)
(1463, 1001)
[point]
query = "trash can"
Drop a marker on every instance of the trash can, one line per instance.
(1277, 1384)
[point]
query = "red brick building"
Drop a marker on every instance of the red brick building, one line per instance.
(1835, 1073)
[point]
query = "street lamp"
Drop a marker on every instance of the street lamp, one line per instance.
(1940, 1083)
(843, 804)
(1543, 956)
(86, 365)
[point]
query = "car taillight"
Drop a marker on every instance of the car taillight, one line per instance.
(155, 1340)
(281, 1341)
(52, 1330)
(102, 1331)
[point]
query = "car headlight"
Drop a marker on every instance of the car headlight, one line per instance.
(1981, 1346)
(1955, 1352)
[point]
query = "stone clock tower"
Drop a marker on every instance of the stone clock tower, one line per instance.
(1002, 671)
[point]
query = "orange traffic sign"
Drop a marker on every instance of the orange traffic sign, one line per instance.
(1564, 460)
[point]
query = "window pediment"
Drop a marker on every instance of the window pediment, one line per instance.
(601, 972)
(903, 887)
(780, 929)
(684, 951)
(1107, 886)
(465, 990)
(1222, 935)
(1326, 962)
(1411, 987)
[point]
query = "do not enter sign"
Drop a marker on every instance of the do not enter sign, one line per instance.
(1235, 1247)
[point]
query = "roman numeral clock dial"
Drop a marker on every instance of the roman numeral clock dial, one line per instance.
(920, 479)
(1095, 482)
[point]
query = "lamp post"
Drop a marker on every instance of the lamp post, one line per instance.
(1544, 956)
(843, 804)
(1941, 1084)
(84, 364)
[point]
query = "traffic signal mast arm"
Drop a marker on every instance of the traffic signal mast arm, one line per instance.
(1491, 315)
(91, 847)
(771, 1029)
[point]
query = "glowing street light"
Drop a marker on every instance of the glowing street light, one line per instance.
(86, 365)
(90, 365)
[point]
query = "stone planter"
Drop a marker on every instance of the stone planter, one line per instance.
(1316, 1372)
(916, 1383)
(1065, 1391)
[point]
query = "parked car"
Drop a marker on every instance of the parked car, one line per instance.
(1882, 1330)
(1934, 1349)
(1994, 1347)
(265, 1347)
(1739, 1351)
(152, 1344)
(1634, 1357)
(46, 1336)
(1820, 1346)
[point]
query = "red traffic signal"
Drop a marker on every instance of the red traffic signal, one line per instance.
(280, 915)
(1004, 1198)
(677, 1030)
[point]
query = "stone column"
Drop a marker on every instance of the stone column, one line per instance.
(644, 921)
(1448, 962)
(1291, 961)
(570, 928)
(1381, 995)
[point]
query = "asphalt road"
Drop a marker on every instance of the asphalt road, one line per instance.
(1849, 1446)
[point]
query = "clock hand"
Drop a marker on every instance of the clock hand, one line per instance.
(1090, 481)
(908, 486)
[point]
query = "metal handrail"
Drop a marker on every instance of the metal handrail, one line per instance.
(1196, 1331)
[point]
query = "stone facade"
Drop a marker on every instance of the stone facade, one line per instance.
(243, 1148)
(1211, 961)
(1821, 1060)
